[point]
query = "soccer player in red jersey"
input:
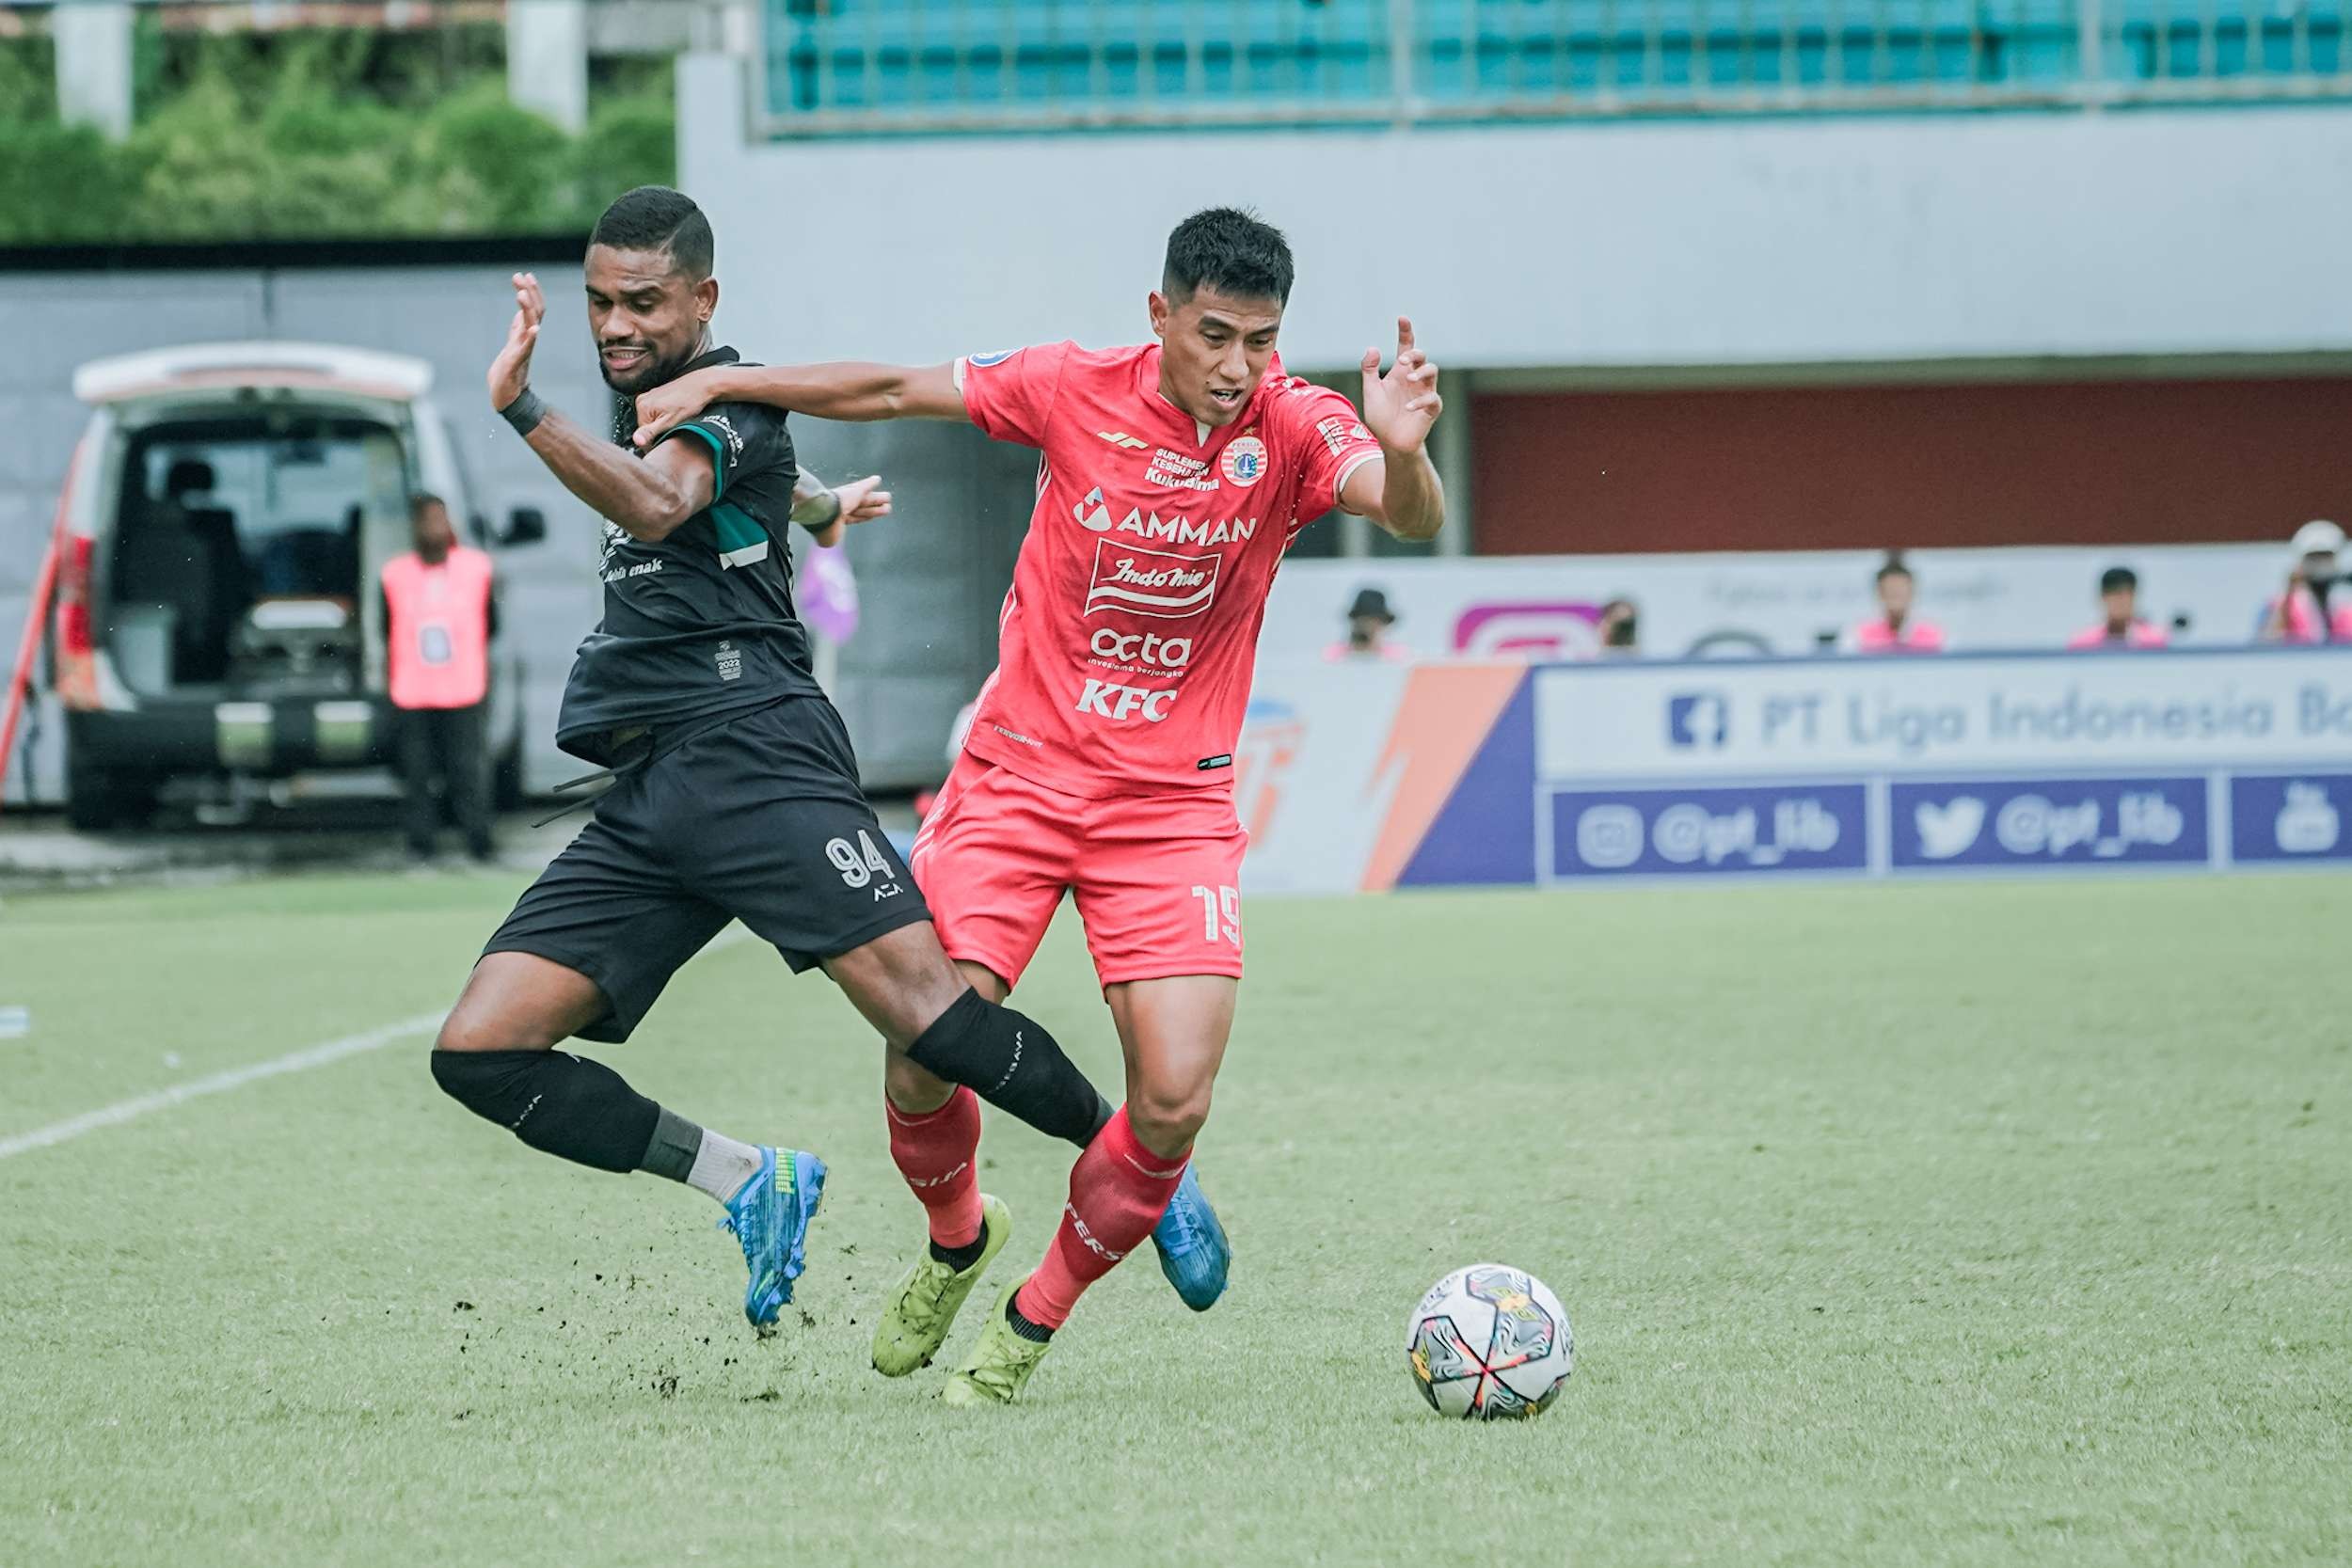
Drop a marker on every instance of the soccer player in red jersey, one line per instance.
(1173, 477)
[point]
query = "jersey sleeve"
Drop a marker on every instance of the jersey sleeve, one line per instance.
(1010, 395)
(743, 438)
(1330, 441)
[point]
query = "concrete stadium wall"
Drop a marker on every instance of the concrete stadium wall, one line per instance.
(1732, 242)
(930, 582)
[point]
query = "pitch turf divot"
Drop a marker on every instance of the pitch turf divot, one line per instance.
(237, 1078)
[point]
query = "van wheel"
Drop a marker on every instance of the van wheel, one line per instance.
(102, 798)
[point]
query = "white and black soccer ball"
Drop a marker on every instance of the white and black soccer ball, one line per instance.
(1489, 1342)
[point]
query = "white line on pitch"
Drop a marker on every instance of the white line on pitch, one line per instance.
(237, 1078)
(219, 1083)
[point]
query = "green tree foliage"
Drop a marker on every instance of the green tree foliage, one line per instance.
(312, 136)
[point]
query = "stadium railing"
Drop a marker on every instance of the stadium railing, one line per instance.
(867, 67)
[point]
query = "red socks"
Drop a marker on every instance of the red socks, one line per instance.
(937, 1151)
(1118, 1191)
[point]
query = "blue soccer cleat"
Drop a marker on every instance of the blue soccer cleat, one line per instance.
(1194, 1253)
(769, 1215)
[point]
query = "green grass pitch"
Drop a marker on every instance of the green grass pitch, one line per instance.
(1983, 1223)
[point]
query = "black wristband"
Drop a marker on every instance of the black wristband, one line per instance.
(525, 412)
(805, 512)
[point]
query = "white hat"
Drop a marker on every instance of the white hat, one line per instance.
(2318, 537)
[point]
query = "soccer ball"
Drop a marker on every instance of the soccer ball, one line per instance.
(1488, 1343)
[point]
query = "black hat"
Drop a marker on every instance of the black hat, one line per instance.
(1371, 604)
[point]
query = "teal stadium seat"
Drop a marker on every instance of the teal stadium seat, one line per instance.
(953, 64)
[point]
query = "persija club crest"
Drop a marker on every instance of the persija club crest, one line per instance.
(1244, 463)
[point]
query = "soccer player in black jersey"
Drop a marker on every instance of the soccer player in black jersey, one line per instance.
(734, 792)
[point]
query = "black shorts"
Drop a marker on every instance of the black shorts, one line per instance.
(757, 819)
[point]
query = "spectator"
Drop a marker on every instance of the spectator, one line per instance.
(2302, 613)
(169, 558)
(440, 610)
(2120, 627)
(1894, 630)
(1368, 621)
(1619, 629)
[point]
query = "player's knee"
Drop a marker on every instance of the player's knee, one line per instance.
(479, 1023)
(484, 1082)
(1167, 1117)
(460, 1032)
(902, 982)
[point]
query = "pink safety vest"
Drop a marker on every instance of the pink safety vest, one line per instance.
(1874, 636)
(1388, 653)
(2139, 634)
(441, 631)
(2303, 618)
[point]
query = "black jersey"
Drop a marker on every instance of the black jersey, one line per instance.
(702, 624)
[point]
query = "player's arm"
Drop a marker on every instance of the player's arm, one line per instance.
(825, 511)
(647, 498)
(847, 391)
(1400, 490)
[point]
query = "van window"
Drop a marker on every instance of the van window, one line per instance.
(222, 514)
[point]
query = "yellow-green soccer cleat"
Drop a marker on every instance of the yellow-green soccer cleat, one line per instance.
(915, 1322)
(1000, 1365)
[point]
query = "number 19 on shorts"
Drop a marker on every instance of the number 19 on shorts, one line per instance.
(1220, 914)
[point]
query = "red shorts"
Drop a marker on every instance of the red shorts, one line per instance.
(1157, 877)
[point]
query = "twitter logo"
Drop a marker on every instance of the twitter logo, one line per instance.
(1949, 830)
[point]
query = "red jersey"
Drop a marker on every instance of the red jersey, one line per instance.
(1126, 647)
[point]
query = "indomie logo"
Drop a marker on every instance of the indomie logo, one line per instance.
(1151, 583)
(1094, 514)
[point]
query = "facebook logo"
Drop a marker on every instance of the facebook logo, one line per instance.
(1697, 719)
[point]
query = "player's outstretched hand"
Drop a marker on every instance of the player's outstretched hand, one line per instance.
(863, 500)
(664, 409)
(1400, 406)
(510, 372)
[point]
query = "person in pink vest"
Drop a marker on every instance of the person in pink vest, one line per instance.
(440, 610)
(2121, 625)
(1368, 621)
(1894, 630)
(2303, 613)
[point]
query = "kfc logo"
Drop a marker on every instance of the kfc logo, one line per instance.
(1151, 583)
(1144, 649)
(1122, 703)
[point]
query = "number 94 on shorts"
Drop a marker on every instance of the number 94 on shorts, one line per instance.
(1156, 877)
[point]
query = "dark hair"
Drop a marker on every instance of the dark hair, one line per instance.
(423, 498)
(1894, 567)
(186, 474)
(655, 218)
(2115, 580)
(1232, 251)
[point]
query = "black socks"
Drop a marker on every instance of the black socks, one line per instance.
(555, 1102)
(963, 1258)
(1008, 1060)
(1037, 1334)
